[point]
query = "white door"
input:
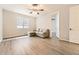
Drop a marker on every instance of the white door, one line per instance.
(74, 25)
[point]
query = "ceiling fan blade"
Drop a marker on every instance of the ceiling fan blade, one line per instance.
(36, 9)
(33, 9)
(30, 9)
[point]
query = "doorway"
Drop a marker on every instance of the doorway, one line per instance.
(55, 25)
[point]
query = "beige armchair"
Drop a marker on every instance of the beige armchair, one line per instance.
(45, 34)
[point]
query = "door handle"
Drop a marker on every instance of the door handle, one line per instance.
(70, 29)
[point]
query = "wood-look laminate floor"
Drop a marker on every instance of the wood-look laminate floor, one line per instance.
(37, 46)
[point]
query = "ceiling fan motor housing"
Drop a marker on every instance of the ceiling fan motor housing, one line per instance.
(34, 4)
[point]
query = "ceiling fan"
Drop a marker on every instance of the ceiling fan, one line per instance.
(35, 8)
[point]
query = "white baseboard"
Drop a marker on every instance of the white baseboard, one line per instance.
(64, 39)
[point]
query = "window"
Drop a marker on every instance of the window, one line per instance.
(22, 22)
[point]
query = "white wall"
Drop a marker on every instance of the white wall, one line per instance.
(64, 23)
(1, 19)
(10, 24)
(44, 22)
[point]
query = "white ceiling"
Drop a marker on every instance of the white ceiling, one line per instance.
(24, 8)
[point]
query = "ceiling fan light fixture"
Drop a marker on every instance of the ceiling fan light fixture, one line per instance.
(35, 9)
(41, 9)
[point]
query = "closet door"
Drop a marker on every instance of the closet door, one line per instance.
(74, 24)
